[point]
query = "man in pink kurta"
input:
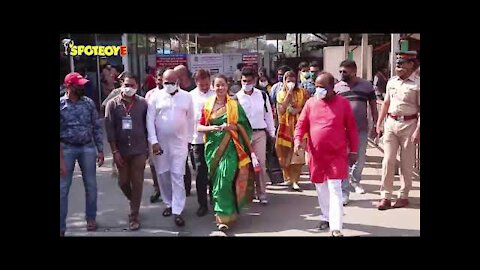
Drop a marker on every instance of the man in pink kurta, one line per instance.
(332, 146)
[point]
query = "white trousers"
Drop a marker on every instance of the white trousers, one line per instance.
(330, 201)
(172, 189)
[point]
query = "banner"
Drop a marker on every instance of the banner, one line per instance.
(213, 62)
(171, 60)
(250, 60)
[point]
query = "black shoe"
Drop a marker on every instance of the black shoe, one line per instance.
(179, 221)
(324, 225)
(155, 196)
(167, 212)
(202, 211)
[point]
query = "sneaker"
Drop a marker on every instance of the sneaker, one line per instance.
(264, 201)
(358, 188)
(345, 199)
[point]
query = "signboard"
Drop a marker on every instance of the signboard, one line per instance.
(213, 62)
(276, 36)
(230, 61)
(250, 60)
(171, 60)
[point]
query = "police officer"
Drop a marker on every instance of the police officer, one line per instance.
(401, 107)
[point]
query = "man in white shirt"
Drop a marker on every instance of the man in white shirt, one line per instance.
(259, 113)
(170, 124)
(156, 189)
(199, 96)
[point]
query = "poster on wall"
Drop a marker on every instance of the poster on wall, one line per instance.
(230, 61)
(171, 60)
(250, 60)
(213, 62)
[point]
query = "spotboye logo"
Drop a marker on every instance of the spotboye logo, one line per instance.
(74, 50)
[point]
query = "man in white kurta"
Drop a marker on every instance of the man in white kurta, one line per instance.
(170, 122)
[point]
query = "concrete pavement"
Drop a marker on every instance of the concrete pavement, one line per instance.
(288, 213)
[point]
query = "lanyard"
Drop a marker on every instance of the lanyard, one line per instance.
(127, 110)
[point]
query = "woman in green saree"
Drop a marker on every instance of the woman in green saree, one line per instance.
(227, 153)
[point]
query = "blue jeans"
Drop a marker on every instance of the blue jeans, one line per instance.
(355, 171)
(87, 157)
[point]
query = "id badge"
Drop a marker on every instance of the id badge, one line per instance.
(127, 123)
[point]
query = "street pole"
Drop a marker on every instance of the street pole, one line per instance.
(395, 46)
(257, 45)
(346, 44)
(99, 85)
(125, 57)
(364, 60)
(188, 43)
(196, 43)
(72, 65)
(296, 43)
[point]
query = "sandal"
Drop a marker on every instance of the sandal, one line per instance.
(91, 225)
(134, 224)
(323, 225)
(167, 212)
(179, 221)
(223, 227)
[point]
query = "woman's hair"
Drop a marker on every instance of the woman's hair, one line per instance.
(219, 76)
(289, 74)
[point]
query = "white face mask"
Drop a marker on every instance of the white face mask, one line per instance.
(170, 88)
(320, 92)
(247, 87)
(129, 91)
(263, 84)
(290, 85)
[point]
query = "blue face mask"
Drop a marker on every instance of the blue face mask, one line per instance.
(280, 78)
(320, 92)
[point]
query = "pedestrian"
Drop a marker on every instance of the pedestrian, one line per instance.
(259, 113)
(228, 153)
(290, 102)
(332, 146)
(401, 128)
(306, 78)
(263, 84)
(186, 83)
(155, 197)
(279, 84)
(125, 124)
(237, 75)
(81, 140)
(170, 122)
(358, 92)
(380, 82)
(150, 81)
(200, 95)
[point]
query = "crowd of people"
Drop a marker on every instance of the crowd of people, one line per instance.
(224, 124)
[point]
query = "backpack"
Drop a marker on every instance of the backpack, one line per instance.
(264, 100)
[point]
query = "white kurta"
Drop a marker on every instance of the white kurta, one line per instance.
(170, 122)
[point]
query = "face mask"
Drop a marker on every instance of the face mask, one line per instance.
(263, 84)
(320, 92)
(170, 88)
(129, 91)
(280, 78)
(247, 87)
(306, 75)
(291, 85)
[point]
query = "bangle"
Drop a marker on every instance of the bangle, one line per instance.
(116, 151)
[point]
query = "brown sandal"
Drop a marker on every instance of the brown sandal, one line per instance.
(134, 223)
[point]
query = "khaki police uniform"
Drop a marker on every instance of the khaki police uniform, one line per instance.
(404, 97)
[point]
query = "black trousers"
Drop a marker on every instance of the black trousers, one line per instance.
(202, 174)
(187, 179)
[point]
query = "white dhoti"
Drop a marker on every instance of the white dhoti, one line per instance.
(172, 189)
(330, 201)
